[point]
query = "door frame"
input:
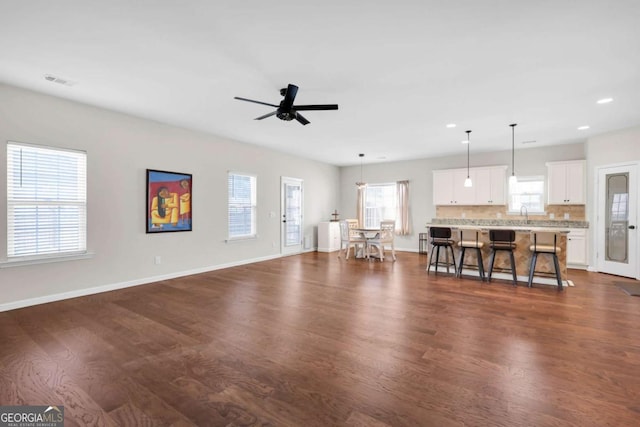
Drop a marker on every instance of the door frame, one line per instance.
(293, 249)
(599, 204)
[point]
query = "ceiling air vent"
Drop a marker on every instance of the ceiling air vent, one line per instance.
(532, 141)
(59, 80)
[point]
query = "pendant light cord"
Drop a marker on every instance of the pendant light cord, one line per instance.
(513, 148)
(468, 143)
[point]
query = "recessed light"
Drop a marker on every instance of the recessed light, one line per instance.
(451, 125)
(605, 100)
(585, 127)
(465, 141)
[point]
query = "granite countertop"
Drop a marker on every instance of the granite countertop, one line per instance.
(516, 224)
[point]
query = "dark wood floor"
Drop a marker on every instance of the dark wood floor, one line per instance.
(312, 340)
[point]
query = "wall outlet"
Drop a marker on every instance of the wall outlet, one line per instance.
(464, 215)
(273, 244)
(566, 215)
(157, 260)
(499, 215)
(552, 216)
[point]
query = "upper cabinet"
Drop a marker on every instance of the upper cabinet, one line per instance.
(488, 186)
(566, 183)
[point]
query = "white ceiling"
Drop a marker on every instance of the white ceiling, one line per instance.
(400, 71)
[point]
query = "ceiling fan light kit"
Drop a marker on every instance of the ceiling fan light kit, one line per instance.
(286, 110)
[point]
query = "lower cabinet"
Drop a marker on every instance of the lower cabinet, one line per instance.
(577, 248)
(328, 236)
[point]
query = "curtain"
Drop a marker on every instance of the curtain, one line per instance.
(360, 204)
(402, 223)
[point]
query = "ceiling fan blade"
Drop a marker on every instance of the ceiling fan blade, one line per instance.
(315, 107)
(255, 102)
(266, 115)
(289, 97)
(301, 119)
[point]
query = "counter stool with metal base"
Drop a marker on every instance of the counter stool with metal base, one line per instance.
(503, 240)
(471, 244)
(543, 244)
(441, 237)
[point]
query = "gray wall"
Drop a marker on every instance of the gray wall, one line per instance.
(120, 148)
(529, 161)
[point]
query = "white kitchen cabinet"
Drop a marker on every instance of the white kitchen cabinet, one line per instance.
(461, 194)
(566, 183)
(577, 248)
(328, 236)
(490, 185)
(443, 187)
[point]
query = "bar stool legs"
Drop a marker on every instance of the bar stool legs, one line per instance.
(436, 249)
(480, 262)
(556, 264)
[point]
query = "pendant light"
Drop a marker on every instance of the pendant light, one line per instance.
(513, 180)
(361, 183)
(467, 182)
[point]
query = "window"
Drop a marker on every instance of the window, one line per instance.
(528, 192)
(380, 202)
(46, 201)
(242, 206)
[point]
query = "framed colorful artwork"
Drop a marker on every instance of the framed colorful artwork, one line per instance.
(168, 201)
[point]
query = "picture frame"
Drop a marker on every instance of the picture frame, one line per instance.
(168, 203)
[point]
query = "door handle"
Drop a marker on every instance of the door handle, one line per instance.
(632, 227)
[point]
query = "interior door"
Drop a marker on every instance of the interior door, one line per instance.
(617, 220)
(292, 206)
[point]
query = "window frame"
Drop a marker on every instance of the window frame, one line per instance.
(394, 186)
(81, 218)
(253, 207)
(530, 178)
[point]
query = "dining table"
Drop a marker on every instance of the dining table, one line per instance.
(366, 234)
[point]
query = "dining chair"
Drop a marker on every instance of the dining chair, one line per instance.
(348, 240)
(384, 237)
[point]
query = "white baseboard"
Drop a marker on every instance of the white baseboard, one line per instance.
(121, 285)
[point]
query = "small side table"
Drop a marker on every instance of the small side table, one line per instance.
(423, 243)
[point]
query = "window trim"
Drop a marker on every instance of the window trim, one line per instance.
(381, 184)
(245, 237)
(50, 257)
(543, 195)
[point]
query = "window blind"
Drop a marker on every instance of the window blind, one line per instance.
(380, 203)
(46, 201)
(242, 205)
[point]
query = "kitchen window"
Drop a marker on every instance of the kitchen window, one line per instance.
(528, 191)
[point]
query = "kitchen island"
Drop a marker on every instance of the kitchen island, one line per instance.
(545, 271)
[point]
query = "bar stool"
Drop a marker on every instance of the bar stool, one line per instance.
(471, 244)
(441, 237)
(503, 240)
(542, 245)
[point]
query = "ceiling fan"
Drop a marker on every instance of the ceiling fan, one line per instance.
(286, 110)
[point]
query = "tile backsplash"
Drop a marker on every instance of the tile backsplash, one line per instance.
(574, 212)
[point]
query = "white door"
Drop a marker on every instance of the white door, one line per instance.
(617, 231)
(291, 216)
